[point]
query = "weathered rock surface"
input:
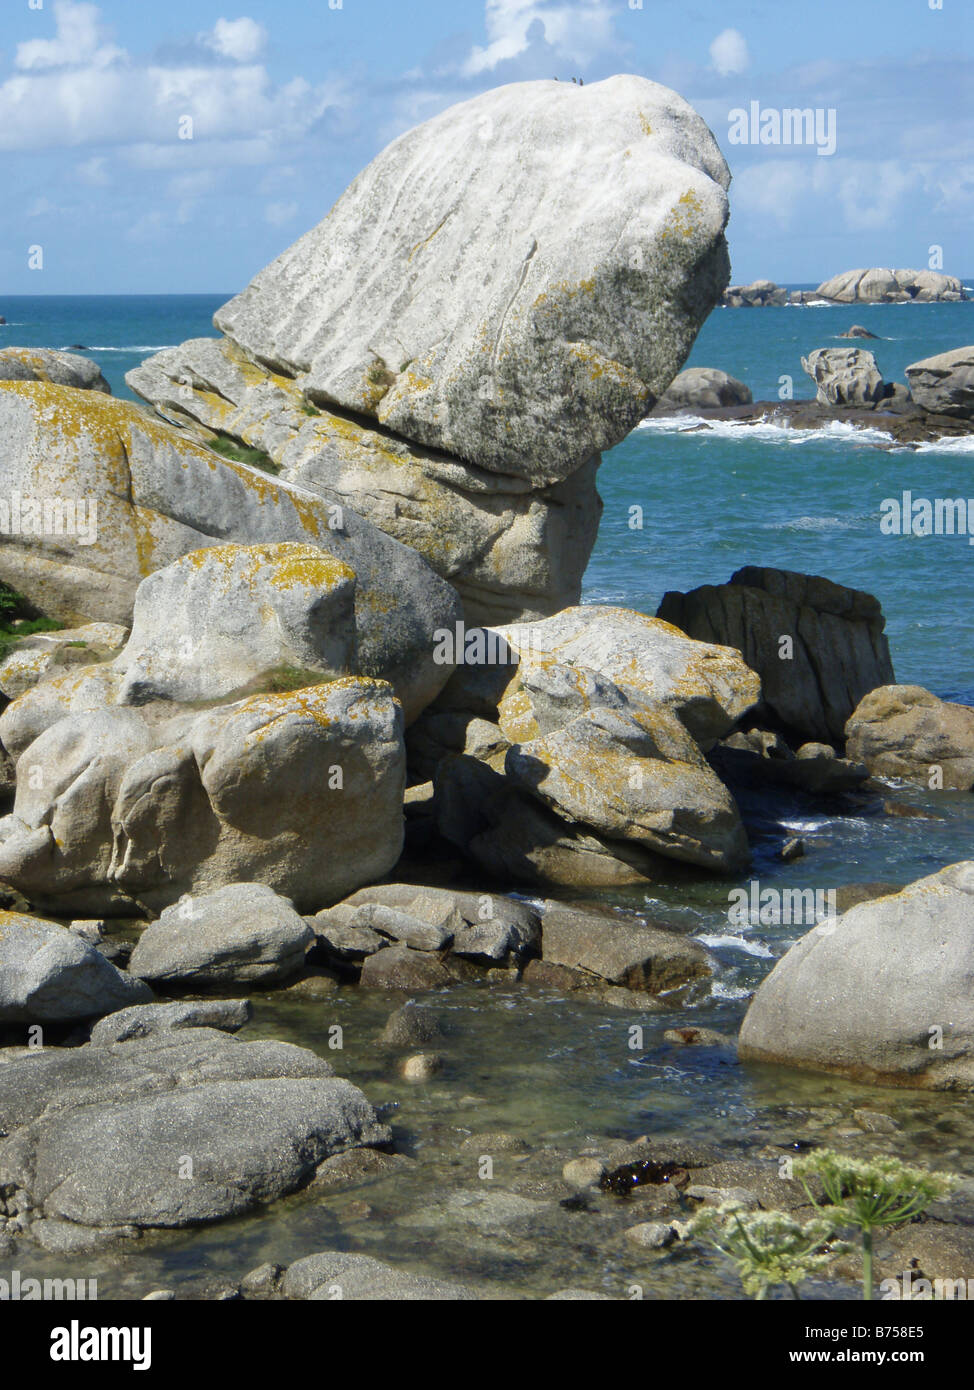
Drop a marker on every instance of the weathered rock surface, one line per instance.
(703, 388)
(49, 974)
(944, 383)
(158, 494)
(228, 619)
(845, 376)
(338, 1274)
(760, 294)
(881, 286)
(100, 1136)
(243, 933)
(35, 656)
(884, 993)
(904, 731)
(580, 282)
(119, 806)
(621, 951)
(510, 549)
(839, 651)
(144, 1020)
(47, 364)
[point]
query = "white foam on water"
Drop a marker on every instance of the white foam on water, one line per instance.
(735, 943)
(720, 990)
(768, 432)
(135, 347)
(962, 444)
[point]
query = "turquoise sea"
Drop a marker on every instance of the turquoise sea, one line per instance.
(559, 1070)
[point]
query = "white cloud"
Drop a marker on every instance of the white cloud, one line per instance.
(279, 213)
(728, 53)
(79, 41)
(240, 39)
(578, 30)
(93, 172)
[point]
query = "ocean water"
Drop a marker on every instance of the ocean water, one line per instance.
(560, 1071)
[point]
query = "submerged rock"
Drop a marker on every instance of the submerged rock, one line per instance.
(337, 1274)
(171, 1130)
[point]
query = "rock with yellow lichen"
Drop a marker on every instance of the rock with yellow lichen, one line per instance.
(36, 655)
(514, 282)
(124, 809)
(591, 737)
(47, 364)
(882, 994)
(221, 620)
(151, 494)
(512, 551)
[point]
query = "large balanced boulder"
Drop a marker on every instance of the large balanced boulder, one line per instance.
(476, 291)
(845, 376)
(170, 1130)
(818, 647)
(47, 364)
(904, 731)
(703, 388)
(49, 974)
(884, 993)
(944, 384)
(881, 286)
(242, 933)
(152, 494)
(455, 375)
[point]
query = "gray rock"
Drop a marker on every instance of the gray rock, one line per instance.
(49, 974)
(944, 383)
(422, 1066)
(244, 932)
(144, 1020)
(651, 1235)
(398, 967)
(839, 651)
(583, 1172)
(47, 364)
(878, 285)
(505, 277)
(620, 951)
(171, 1130)
(759, 294)
(334, 1274)
(703, 388)
(904, 731)
(881, 994)
(31, 658)
(411, 1024)
(845, 376)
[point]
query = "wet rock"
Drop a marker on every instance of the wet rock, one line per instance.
(423, 1066)
(698, 1037)
(334, 1274)
(413, 1023)
(172, 1130)
(875, 1122)
(143, 1020)
(577, 1296)
(651, 1235)
(398, 967)
(622, 952)
(904, 731)
(358, 1165)
(719, 1196)
(583, 1172)
(262, 1281)
(243, 933)
(792, 849)
(548, 975)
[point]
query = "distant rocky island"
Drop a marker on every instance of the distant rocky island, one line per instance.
(875, 286)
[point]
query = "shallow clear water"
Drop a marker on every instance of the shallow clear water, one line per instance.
(556, 1071)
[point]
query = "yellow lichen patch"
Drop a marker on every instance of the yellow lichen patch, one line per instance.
(283, 565)
(644, 125)
(311, 703)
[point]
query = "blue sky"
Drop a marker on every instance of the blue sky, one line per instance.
(289, 99)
